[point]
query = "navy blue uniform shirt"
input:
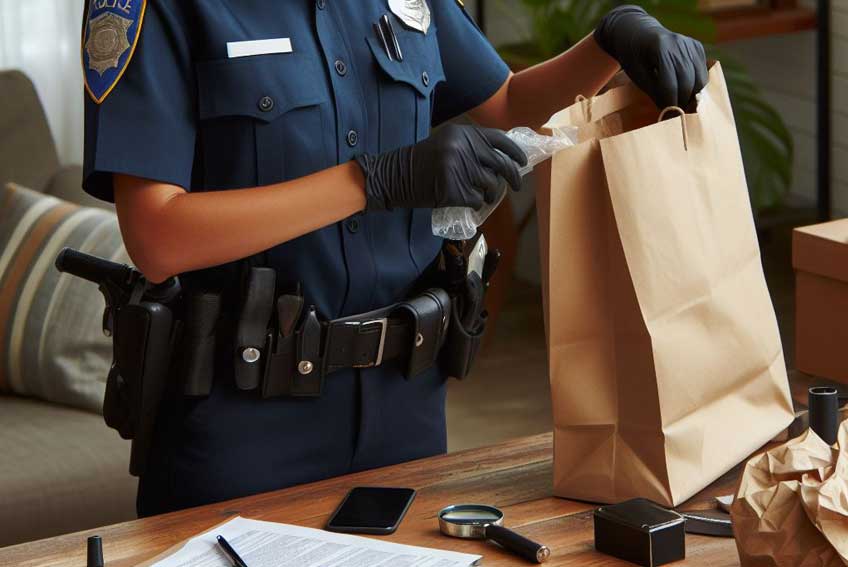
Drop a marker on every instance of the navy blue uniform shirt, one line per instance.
(181, 111)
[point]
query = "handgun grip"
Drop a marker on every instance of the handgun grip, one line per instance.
(92, 268)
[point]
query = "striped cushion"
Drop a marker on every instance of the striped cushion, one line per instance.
(51, 343)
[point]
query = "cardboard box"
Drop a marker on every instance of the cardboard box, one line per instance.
(820, 259)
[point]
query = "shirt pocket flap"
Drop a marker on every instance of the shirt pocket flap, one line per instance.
(421, 67)
(262, 86)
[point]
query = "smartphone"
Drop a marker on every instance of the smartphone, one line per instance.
(371, 510)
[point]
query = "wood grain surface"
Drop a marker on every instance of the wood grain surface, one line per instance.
(514, 476)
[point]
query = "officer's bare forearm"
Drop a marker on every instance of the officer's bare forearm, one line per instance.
(168, 231)
(530, 97)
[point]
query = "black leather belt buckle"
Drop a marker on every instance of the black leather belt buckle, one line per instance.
(367, 329)
(359, 341)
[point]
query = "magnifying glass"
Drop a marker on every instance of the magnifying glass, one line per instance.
(477, 521)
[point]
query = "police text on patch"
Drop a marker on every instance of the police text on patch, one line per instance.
(124, 6)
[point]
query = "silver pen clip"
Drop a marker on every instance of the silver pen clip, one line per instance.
(390, 31)
(379, 29)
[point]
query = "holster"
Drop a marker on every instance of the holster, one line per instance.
(144, 330)
(143, 339)
(461, 348)
(467, 329)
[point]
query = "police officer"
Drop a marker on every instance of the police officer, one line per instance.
(299, 132)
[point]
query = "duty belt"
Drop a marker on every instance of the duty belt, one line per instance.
(410, 333)
(281, 353)
(167, 331)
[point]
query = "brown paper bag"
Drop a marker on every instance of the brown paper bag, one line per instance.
(665, 361)
(791, 508)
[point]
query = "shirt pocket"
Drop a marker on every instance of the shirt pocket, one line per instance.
(263, 119)
(406, 92)
(406, 87)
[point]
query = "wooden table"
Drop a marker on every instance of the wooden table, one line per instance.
(515, 476)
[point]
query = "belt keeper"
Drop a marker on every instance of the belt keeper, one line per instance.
(251, 335)
(279, 368)
(308, 375)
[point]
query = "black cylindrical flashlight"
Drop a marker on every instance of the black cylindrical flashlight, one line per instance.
(824, 412)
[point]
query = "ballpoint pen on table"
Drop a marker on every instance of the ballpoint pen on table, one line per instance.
(230, 552)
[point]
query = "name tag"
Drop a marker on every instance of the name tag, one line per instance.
(258, 47)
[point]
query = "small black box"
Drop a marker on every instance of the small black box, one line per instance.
(640, 531)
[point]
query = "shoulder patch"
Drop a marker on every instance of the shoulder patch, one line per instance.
(109, 39)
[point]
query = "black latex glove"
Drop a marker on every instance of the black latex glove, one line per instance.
(458, 166)
(670, 67)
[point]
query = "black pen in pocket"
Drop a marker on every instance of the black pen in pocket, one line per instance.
(390, 31)
(379, 29)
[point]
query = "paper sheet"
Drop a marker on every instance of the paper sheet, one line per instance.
(268, 544)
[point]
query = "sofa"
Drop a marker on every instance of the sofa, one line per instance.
(61, 468)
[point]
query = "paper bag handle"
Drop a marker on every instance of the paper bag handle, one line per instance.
(682, 114)
(585, 105)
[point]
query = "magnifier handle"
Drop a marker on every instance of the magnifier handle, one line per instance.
(518, 544)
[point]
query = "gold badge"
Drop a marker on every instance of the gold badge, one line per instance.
(413, 13)
(107, 41)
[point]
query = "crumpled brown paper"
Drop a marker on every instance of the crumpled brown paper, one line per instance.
(791, 507)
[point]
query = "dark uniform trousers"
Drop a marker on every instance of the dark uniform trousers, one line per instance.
(185, 113)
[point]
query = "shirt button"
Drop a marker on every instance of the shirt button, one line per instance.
(341, 68)
(425, 78)
(352, 138)
(266, 104)
(321, 4)
(353, 225)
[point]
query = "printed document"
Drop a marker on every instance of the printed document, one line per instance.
(268, 544)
